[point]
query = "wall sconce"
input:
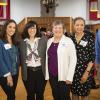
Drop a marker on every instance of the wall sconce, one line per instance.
(3, 3)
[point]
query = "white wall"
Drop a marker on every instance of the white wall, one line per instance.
(24, 8)
(28, 8)
(71, 8)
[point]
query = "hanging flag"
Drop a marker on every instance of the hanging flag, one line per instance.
(98, 12)
(1, 10)
(94, 9)
(5, 9)
(93, 5)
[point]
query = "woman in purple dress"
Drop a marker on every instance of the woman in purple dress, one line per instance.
(60, 62)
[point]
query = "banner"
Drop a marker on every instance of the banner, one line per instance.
(5, 9)
(94, 9)
(1, 11)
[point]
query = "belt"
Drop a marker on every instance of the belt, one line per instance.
(34, 68)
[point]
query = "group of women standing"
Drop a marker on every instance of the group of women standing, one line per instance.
(65, 61)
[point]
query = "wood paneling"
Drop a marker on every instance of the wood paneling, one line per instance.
(47, 22)
(95, 27)
(0, 28)
(2, 21)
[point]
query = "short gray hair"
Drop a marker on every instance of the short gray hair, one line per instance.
(58, 22)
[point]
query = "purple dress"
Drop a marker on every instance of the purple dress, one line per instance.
(53, 59)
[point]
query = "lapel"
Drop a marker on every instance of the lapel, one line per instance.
(39, 44)
(50, 42)
(23, 47)
(40, 47)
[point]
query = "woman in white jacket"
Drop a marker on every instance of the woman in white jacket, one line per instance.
(60, 62)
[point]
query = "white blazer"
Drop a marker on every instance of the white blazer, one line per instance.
(67, 59)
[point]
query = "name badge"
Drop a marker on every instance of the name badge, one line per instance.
(64, 44)
(83, 43)
(7, 46)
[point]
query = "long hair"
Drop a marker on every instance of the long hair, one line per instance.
(3, 34)
(30, 24)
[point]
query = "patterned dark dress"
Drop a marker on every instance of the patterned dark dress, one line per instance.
(85, 53)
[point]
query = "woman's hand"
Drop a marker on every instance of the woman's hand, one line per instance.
(68, 82)
(84, 77)
(97, 66)
(9, 81)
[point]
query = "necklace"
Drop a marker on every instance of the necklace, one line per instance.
(78, 37)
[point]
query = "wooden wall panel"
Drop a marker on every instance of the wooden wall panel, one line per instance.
(95, 27)
(2, 21)
(47, 22)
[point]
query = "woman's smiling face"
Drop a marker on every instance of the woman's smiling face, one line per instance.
(79, 26)
(57, 30)
(11, 28)
(32, 31)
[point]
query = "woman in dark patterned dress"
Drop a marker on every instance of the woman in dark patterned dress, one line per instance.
(84, 43)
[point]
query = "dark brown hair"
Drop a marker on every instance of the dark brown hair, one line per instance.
(78, 18)
(3, 34)
(29, 25)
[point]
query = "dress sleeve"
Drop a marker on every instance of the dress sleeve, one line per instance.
(92, 49)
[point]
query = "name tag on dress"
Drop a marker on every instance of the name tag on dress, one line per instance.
(7, 46)
(83, 43)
